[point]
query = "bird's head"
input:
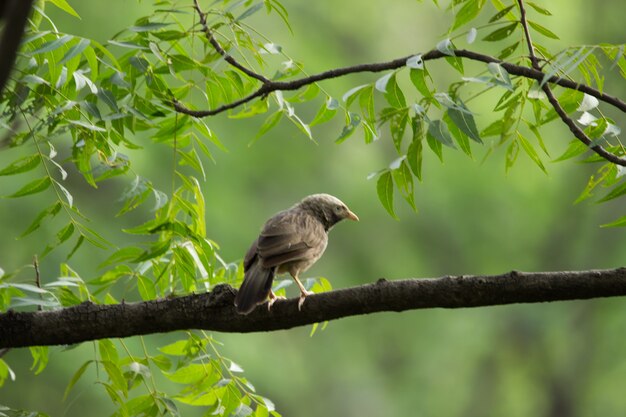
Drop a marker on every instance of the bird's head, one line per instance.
(328, 209)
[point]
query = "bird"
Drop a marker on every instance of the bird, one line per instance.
(290, 241)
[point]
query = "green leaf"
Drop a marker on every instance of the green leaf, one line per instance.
(250, 11)
(61, 236)
(397, 126)
(465, 122)
(157, 249)
(384, 187)
(501, 13)
(77, 245)
(393, 94)
(75, 50)
(190, 374)
(49, 211)
(605, 172)
(269, 123)
(418, 78)
(575, 148)
(461, 138)
(351, 94)
(456, 63)
(621, 222)
(65, 6)
(404, 182)
(146, 288)
(468, 12)
(530, 151)
(352, 121)
(326, 111)
(614, 193)
(32, 187)
(500, 75)
(366, 103)
(75, 378)
(52, 45)
(118, 382)
(414, 153)
(24, 164)
(438, 130)
(108, 351)
(40, 358)
(508, 51)
(512, 151)
(501, 33)
(544, 31)
(148, 27)
(539, 9)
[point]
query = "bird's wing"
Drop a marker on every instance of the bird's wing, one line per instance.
(290, 236)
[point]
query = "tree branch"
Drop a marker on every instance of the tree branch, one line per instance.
(15, 15)
(534, 72)
(569, 122)
(215, 310)
(216, 45)
(519, 70)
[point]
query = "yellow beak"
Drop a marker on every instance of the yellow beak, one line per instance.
(352, 216)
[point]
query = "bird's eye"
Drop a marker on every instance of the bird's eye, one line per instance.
(339, 209)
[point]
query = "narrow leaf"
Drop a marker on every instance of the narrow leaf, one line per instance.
(24, 164)
(65, 6)
(501, 33)
(32, 187)
(544, 31)
(530, 151)
(50, 211)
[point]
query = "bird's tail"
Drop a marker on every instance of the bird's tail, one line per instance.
(256, 286)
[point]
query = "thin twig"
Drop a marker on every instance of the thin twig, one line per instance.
(37, 277)
(216, 45)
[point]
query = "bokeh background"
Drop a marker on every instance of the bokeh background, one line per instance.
(558, 359)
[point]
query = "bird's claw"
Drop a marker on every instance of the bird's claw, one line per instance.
(272, 300)
(303, 296)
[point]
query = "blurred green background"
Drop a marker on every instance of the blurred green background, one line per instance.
(559, 359)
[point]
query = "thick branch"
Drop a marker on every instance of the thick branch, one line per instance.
(215, 311)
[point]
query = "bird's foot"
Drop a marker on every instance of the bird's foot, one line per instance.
(272, 300)
(303, 296)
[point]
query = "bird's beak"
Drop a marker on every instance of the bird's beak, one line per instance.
(352, 216)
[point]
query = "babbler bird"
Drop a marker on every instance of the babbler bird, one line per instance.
(291, 241)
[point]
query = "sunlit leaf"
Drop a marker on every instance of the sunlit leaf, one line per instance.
(467, 13)
(543, 30)
(64, 5)
(530, 151)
